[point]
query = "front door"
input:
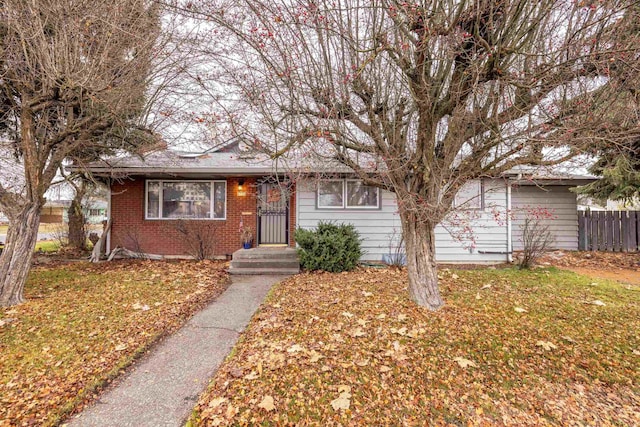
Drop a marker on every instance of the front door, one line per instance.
(273, 214)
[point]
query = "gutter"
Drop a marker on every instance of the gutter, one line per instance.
(111, 172)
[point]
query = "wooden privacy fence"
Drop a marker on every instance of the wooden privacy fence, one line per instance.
(617, 231)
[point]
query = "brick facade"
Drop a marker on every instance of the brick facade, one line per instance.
(131, 230)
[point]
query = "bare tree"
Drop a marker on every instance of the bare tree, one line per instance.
(70, 73)
(418, 97)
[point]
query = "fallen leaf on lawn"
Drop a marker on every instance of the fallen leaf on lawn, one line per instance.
(2, 323)
(362, 363)
(357, 333)
(381, 316)
(236, 372)
(367, 294)
(487, 286)
(252, 376)
(342, 402)
(597, 302)
(362, 322)
(402, 317)
(478, 296)
(267, 403)
(337, 338)
(636, 352)
(568, 339)
(343, 388)
(121, 347)
(347, 314)
(546, 345)
(315, 356)
(385, 368)
(520, 310)
(464, 363)
(295, 348)
(455, 276)
(232, 411)
(217, 402)
(402, 331)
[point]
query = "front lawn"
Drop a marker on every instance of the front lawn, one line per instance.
(83, 323)
(546, 347)
(47, 246)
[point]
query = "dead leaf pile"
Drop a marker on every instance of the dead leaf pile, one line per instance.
(83, 323)
(352, 349)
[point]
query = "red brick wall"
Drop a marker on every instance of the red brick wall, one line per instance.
(129, 228)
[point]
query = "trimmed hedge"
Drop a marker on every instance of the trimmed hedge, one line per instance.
(330, 247)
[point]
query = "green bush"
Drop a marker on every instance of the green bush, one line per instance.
(330, 247)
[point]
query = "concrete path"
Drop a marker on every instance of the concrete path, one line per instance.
(162, 388)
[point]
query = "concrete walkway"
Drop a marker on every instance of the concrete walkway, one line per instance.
(162, 388)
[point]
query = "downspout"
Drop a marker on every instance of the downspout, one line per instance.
(509, 226)
(108, 248)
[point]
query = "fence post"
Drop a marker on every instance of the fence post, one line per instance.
(617, 232)
(594, 230)
(624, 229)
(633, 231)
(582, 232)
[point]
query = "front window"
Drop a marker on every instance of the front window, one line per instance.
(330, 194)
(186, 199)
(361, 196)
(347, 194)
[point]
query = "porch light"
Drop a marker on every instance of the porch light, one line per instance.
(241, 191)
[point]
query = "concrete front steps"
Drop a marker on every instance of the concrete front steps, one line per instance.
(265, 260)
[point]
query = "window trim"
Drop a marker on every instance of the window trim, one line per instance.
(160, 199)
(346, 197)
(318, 205)
(345, 205)
(480, 196)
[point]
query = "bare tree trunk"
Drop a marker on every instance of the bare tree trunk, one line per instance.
(419, 240)
(15, 260)
(77, 231)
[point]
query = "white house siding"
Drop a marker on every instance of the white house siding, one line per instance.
(377, 227)
(559, 201)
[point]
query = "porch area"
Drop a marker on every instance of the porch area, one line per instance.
(265, 260)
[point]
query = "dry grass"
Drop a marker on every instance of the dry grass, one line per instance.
(83, 323)
(542, 347)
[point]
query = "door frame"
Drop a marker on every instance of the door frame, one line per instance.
(268, 185)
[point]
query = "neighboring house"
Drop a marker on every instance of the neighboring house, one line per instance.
(586, 203)
(57, 212)
(228, 191)
(54, 211)
(94, 212)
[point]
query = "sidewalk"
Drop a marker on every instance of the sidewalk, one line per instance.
(162, 388)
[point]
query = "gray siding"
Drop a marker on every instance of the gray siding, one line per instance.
(377, 227)
(561, 203)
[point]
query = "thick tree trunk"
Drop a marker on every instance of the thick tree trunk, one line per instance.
(419, 240)
(77, 232)
(15, 260)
